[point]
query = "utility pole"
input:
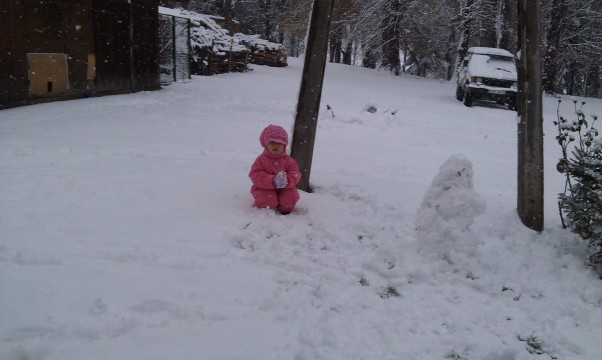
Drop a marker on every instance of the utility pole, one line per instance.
(308, 105)
(530, 119)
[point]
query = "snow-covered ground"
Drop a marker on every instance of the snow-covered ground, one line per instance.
(127, 229)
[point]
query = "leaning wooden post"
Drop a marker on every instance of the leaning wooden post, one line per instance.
(308, 105)
(173, 48)
(530, 119)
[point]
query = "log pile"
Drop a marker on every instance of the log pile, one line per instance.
(213, 51)
(211, 60)
(263, 52)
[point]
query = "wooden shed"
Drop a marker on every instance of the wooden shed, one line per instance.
(62, 49)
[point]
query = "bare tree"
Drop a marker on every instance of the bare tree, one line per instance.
(293, 22)
(573, 46)
(390, 36)
(430, 32)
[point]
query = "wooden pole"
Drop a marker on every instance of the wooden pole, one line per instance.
(308, 105)
(530, 119)
(173, 48)
(228, 17)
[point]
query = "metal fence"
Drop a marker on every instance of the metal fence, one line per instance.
(174, 49)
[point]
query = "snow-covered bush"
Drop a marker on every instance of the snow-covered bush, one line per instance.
(581, 201)
(448, 209)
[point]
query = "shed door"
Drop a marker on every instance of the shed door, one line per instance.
(47, 73)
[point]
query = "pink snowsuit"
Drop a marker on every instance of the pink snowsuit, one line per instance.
(265, 168)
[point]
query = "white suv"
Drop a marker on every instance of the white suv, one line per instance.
(488, 74)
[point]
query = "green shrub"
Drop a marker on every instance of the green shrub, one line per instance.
(581, 202)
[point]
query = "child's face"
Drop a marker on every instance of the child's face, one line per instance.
(276, 148)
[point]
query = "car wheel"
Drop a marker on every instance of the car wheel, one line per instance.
(459, 93)
(467, 99)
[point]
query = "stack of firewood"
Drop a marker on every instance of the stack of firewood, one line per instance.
(263, 52)
(213, 50)
(216, 52)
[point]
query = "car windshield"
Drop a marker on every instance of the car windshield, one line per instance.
(493, 65)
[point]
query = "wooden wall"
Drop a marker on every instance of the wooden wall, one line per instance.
(109, 45)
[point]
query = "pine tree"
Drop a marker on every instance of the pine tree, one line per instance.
(581, 201)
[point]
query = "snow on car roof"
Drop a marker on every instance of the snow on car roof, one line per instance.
(490, 51)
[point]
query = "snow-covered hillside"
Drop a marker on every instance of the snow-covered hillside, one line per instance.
(127, 229)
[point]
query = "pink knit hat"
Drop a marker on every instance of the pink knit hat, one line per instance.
(273, 133)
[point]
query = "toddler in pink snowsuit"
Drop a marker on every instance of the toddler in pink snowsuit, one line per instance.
(275, 175)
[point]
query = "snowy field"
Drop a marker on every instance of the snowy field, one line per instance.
(127, 229)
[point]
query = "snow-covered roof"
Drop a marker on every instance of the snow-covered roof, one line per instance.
(172, 12)
(185, 14)
(490, 51)
(206, 20)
